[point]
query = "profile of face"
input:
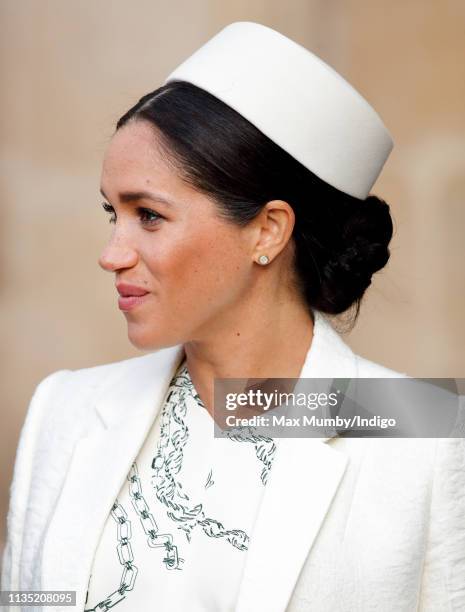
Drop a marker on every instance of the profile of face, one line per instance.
(169, 239)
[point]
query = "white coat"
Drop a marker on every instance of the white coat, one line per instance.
(372, 523)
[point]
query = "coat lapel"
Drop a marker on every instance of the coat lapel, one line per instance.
(123, 414)
(304, 478)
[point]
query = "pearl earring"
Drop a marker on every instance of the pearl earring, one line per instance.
(263, 260)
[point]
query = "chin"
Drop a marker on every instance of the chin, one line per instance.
(149, 339)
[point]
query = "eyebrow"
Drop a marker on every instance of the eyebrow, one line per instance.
(134, 196)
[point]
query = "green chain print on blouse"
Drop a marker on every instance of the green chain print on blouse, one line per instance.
(184, 513)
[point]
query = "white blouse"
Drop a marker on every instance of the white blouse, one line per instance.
(178, 533)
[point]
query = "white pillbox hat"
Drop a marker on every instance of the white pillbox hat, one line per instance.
(295, 99)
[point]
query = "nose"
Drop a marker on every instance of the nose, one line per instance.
(114, 257)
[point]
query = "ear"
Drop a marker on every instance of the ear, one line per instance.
(274, 225)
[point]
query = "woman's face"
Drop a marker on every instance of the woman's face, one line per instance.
(168, 240)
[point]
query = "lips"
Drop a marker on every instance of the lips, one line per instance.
(130, 296)
(126, 290)
(131, 301)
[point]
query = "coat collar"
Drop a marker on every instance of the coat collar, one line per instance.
(125, 408)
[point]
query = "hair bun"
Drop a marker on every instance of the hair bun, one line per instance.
(365, 235)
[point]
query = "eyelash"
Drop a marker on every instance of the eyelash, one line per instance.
(141, 211)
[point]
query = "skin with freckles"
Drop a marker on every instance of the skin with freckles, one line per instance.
(234, 317)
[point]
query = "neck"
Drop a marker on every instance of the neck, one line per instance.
(263, 341)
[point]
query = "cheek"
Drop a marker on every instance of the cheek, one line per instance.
(202, 269)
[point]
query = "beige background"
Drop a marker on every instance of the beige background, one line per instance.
(70, 69)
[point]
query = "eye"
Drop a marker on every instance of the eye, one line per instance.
(147, 216)
(109, 209)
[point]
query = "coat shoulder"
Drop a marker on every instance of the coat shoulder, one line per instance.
(67, 395)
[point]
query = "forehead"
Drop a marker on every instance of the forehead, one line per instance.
(134, 157)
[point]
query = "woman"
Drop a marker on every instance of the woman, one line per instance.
(239, 196)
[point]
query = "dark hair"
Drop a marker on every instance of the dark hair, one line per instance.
(340, 241)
